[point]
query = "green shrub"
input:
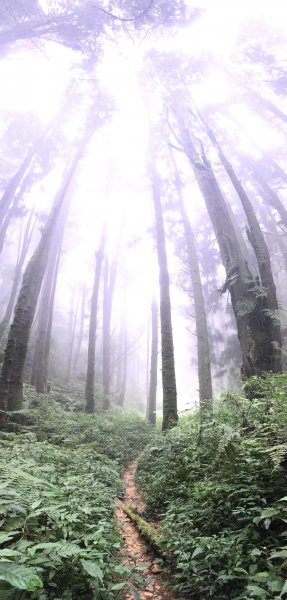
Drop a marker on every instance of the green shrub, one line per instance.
(219, 490)
(58, 482)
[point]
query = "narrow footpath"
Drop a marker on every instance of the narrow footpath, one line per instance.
(135, 551)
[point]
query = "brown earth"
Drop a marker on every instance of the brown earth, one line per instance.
(135, 552)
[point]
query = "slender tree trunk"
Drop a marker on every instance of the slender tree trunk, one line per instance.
(269, 195)
(10, 191)
(261, 102)
(46, 311)
(109, 286)
(123, 355)
(11, 380)
(17, 275)
(50, 318)
(278, 171)
(151, 409)
(170, 416)
(123, 387)
(72, 329)
(119, 363)
(246, 296)
(147, 361)
(203, 352)
(257, 240)
(81, 330)
(90, 379)
(39, 353)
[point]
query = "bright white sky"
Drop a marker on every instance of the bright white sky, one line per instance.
(113, 178)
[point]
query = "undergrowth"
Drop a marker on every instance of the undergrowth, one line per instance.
(59, 478)
(220, 493)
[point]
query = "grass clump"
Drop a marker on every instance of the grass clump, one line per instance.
(220, 492)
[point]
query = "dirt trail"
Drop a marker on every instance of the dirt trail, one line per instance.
(135, 551)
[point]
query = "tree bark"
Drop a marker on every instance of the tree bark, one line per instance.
(81, 330)
(42, 348)
(11, 380)
(17, 275)
(50, 318)
(72, 330)
(151, 408)
(269, 195)
(257, 240)
(170, 416)
(123, 387)
(246, 297)
(110, 272)
(203, 353)
(90, 378)
(9, 193)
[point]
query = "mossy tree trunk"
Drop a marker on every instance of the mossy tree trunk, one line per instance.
(247, 300)
(257, 240)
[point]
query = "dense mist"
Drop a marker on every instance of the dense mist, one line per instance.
(144, 150)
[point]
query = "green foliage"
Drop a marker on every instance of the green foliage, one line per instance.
(58, 482)
(220, 491)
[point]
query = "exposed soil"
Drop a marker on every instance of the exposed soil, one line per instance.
(135, 551)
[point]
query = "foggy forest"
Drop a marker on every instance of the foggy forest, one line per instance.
(143, 303)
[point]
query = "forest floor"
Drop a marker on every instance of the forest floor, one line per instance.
(135, 551)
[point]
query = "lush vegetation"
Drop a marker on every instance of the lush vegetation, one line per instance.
(60, 474)
(220, 492)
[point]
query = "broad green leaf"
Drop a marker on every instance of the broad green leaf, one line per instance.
(6, 537)
(257, 591)
(118, 586)
(20, 577)
(284, 589)
(280, 554)
(7, 552)
(92, 569)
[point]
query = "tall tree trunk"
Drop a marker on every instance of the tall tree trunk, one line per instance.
(147, 361)
(10, 191)
(109, 286)
(257, 240)
(39, 368)
(151, 408)
(203, 352)
(46, 310)
(81, 329)
(249, 307)
(17, 275)
(90, 379)
(269, 195)
(72, 330)
(260, 102)
(123, 371)
(278, 171)
(11, 380)
(50, 318)
(123, 386)
(170, 416)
